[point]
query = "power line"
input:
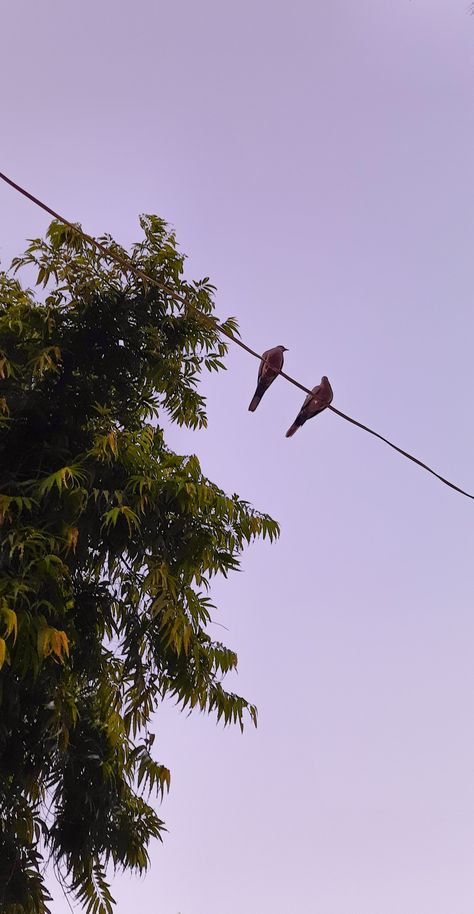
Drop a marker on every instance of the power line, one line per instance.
(128, 264)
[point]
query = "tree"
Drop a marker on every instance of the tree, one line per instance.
(108, 542)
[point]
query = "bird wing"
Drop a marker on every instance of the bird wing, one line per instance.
(272, 361)
(313, 404)
(304, 409)
(263, 364)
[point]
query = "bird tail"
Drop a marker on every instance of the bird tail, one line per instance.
(299, 421)
(254, 402)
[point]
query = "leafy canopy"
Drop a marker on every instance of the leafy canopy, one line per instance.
(108, 542)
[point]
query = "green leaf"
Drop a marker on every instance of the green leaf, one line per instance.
(108, 543)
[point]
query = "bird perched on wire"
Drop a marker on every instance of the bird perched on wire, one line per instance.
(319, 399)
(271, 364)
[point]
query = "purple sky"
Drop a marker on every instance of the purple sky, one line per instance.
(316, 160)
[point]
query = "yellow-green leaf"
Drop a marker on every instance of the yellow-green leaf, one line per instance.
(52, 641)
(10, 621)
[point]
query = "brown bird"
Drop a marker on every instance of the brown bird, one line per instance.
(271, 364)
(319, 399)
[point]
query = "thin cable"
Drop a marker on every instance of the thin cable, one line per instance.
(128, 264)
(400, 451)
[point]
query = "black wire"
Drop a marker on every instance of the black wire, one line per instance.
(400, 451)
(128, 264)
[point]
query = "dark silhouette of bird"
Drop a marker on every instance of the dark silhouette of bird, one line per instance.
(319, 399)
(271, 364)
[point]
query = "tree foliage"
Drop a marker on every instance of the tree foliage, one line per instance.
(108, 542)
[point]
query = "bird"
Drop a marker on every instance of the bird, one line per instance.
(271, 364)
(319, 399)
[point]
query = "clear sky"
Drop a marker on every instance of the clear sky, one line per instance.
(316, 160)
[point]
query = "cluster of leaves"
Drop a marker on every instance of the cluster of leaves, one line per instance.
(108, 542)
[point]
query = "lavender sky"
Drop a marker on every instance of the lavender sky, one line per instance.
(316, 160)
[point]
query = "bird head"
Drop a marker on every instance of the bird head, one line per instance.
(283, 348)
